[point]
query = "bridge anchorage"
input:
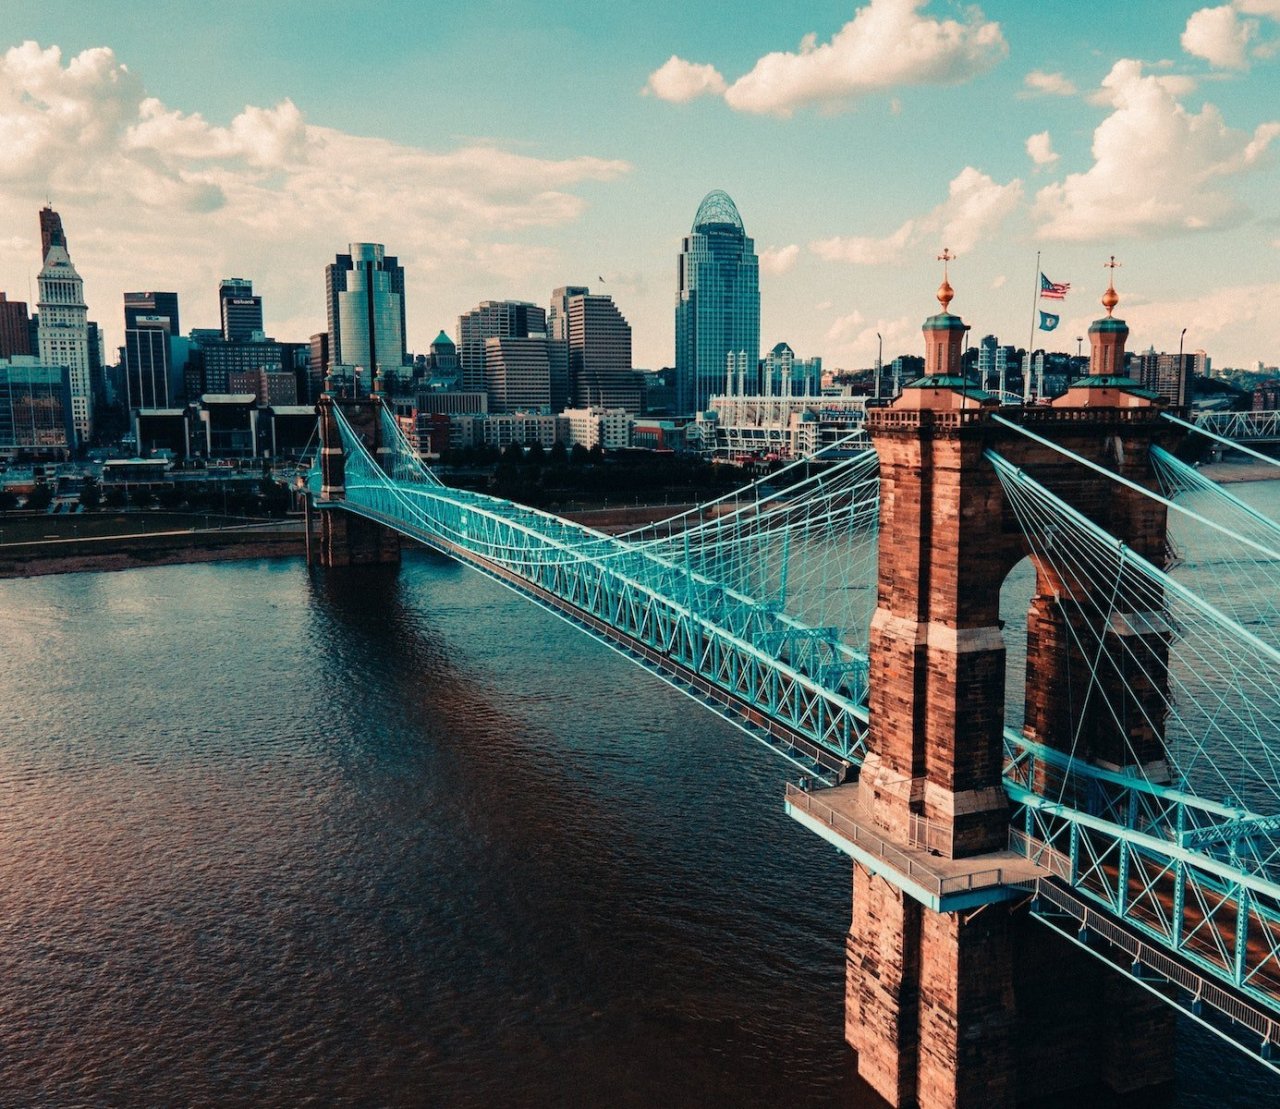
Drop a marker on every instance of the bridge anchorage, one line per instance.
(1031, 905)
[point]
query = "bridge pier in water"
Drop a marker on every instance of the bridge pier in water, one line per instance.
(345, 538)
(955, 996)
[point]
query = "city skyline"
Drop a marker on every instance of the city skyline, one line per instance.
(174, 177)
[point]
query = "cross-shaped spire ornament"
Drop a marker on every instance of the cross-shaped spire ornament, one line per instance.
(1111, 298)
(945, 291)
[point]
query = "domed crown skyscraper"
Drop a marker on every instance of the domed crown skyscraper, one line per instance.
(717, 302)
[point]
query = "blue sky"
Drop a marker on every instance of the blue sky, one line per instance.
(503, 149)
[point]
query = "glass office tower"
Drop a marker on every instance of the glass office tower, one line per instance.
(717, 302)
(365, 291)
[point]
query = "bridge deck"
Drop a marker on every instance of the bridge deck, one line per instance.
(841, 817)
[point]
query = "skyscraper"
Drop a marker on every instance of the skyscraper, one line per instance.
(241, 311)
(63, 334)
(600, 354)
(365, 292)
(517, 374)
(146, 363)
(150, 378)
(558, 314)
(717, 301)
(494, 319)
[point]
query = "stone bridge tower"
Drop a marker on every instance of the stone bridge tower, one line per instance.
(346, 539)
(967, 1002)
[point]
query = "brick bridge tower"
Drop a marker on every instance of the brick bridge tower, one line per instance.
(346, 539)
(960, 999)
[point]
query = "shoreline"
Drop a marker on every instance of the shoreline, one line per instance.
(1232, 473)
(131, 552)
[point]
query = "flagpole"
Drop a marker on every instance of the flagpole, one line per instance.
(1031, 337)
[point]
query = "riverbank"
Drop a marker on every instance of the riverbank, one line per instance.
(278, 539)
(1229, 473)
(626, 517)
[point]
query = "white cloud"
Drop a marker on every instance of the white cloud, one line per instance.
(680, 81)
(854, 343)
(999, 281)
(886, 44)
(1156, 167)
(777, 260)
(140, 184)
(975, 206)
(826, 305)
(1219, 36)
(1040, 83)
(844, 328)
(865, 250)
(1040, 149)
(1223, 37)
(1239, 317)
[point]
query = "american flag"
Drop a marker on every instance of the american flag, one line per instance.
(1051, 290)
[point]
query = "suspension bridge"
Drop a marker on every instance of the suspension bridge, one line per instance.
(1034, 898)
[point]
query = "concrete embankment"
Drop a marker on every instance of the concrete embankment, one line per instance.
(127, 552)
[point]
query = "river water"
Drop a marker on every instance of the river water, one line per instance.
(272, 838)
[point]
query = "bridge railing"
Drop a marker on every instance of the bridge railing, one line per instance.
(1090, 919)
(858, 832)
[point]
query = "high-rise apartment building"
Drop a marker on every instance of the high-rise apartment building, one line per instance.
(365, 297)
(15, 328)
(240, 310)
(494, 319)
(1168, 375)
(717, 301)
(63, 333)
(600, 355)
(517, 374)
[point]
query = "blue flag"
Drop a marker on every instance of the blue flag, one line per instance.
(1048, 321)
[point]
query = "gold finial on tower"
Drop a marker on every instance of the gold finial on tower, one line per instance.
(1111, 298)
(945, 291)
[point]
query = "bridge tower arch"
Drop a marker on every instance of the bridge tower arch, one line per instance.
(977, 1006)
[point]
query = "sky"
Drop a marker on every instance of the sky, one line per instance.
(502, 149)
